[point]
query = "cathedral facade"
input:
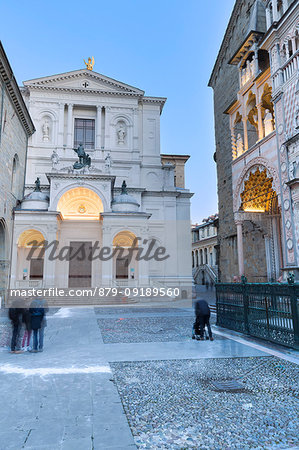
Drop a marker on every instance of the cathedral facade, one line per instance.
(257, 153)
(95, 182)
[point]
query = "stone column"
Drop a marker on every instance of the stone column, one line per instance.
(70, 125)
(49, 266)
(61, 125)
(99, 127)
(107, 128)
(107, 266)
(240, 247)
(244, 120)
(293, 45)
(260, 121)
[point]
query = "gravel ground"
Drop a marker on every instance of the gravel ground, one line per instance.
(146, 329)
(173, 405)
(136, 310)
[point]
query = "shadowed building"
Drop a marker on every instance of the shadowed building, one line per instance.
(255, 83)
(15, 128)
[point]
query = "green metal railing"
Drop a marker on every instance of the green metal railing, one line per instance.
(264, 310)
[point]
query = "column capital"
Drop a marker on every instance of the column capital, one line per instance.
(61, 105)
(99, 107)
(70, 105)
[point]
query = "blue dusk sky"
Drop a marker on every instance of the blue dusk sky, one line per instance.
(165, 47)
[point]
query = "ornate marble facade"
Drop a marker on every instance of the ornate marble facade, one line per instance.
(264, 142)
(120, 130)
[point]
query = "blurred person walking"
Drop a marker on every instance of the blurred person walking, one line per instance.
(38, 309)
(15, 314)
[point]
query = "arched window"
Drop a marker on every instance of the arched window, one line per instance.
(14, 175)
(290, 48)
(279, 9)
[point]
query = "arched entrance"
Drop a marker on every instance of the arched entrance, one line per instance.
(80, 204)
(80, 231)
(30, 262)
(261, 226)
(125, 266)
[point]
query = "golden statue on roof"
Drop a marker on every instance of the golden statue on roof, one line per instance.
(89, 64)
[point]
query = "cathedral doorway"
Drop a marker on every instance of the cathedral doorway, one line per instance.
(80, 268)
(80, 229)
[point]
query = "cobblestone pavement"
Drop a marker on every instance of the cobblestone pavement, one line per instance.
(146, 329)
(107, 383)
(173, 404)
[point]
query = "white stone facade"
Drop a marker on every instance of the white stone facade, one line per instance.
(120, 130)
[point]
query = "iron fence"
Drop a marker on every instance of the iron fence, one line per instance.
(264, 310)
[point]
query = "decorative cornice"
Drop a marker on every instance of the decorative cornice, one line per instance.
(69, 176)
(14, 93)
(83, 73)
(39, 87)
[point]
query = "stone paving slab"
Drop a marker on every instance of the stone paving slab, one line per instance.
(58, 397)
(179, 350)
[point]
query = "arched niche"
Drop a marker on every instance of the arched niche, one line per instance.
(30, 263)
(258, 194)
(122, 125)
(80, 203)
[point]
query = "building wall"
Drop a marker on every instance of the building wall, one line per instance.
(225, 84)
(13, 147)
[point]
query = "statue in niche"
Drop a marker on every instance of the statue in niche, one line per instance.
(54, 159)
(107, 163)
(240, 146)
(84, 158)
(37, 185)
(121, 133)
(46, 130)
(124, 188)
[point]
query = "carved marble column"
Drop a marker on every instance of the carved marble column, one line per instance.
(99, 127)
(70, 125)
(240, 247)
(61, 125)
(244, 120)
(260, 121)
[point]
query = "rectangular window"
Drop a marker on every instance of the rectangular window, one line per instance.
(84, 133)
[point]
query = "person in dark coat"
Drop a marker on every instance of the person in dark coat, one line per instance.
(15, 314)
(37, 313)
(202, 314)
(28, 330)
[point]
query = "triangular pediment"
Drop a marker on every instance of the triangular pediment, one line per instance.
(85, 80)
